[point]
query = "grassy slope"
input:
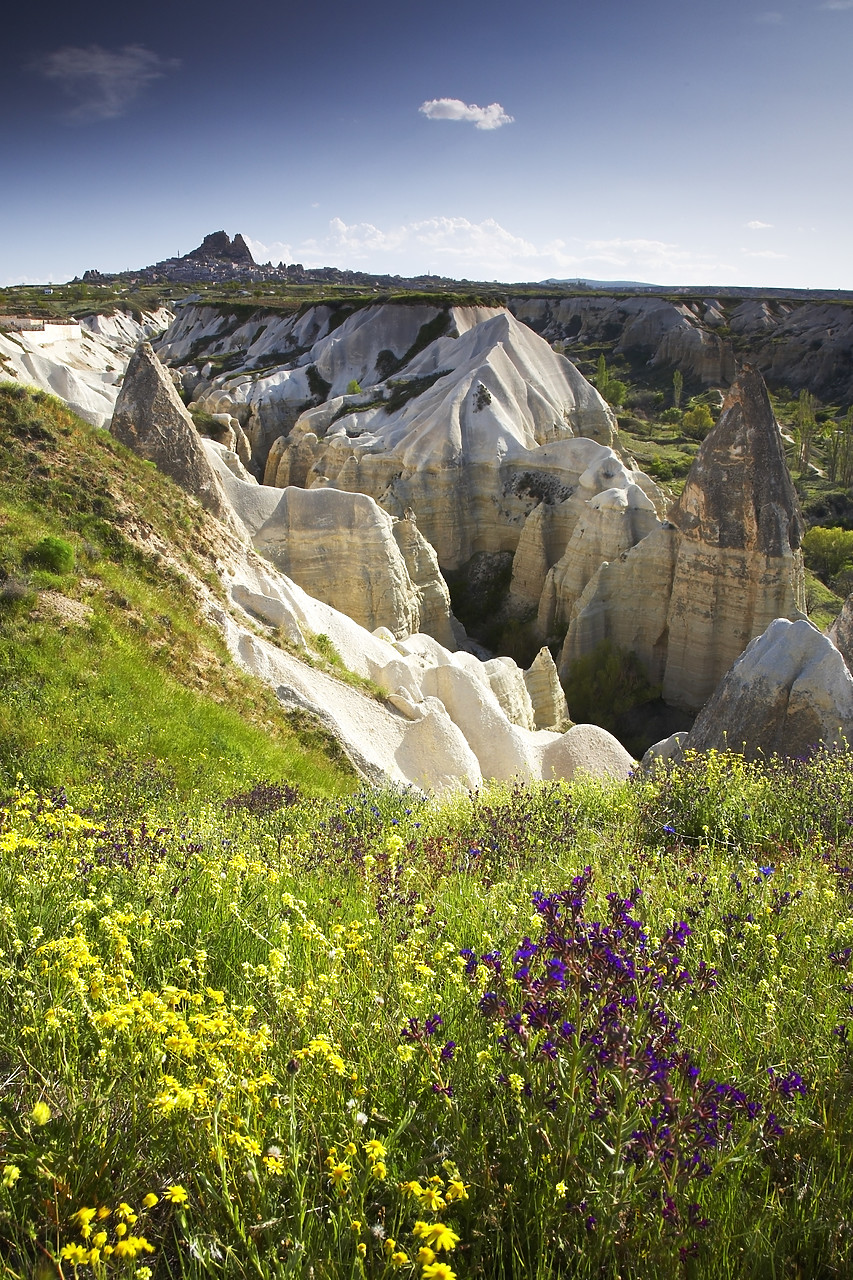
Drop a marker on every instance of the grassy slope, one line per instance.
(141, 674)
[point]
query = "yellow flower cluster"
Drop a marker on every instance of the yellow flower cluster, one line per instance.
(102, 1246)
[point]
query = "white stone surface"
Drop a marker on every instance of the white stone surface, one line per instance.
(81, 364)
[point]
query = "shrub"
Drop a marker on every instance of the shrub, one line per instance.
(604, 684)
(828, 551)
(671, 416)
(54, 554)
(697, 422)
(317, 384)
(353, 387)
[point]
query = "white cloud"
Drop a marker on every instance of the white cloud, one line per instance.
(755, 225)
(103, 83)
(460, 248)
(490, 117)
(763, 253)
(276, 251)
(837, 4)
(770, 18)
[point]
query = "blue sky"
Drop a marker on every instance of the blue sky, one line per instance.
(664, 140)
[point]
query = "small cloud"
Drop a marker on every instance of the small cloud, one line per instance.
(102, 82)
(770, 18)
(837, 4)
(763, 253)
(490, 117)
(755, 225)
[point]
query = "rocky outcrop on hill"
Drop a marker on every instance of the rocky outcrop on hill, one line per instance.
(151, 420)
(450, 719)
(788, 692)
(663, 333)
(795, 344)
(219, 245)
(799, 344)
(689, 597)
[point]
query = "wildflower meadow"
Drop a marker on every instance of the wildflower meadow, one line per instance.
(580, 1030)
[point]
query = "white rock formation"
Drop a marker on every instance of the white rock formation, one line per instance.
(443, 434)
(789, 692)
(83, 364)
(451, 720)
(443, 726)
(343, 549)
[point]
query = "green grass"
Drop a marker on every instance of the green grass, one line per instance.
(246, 1031)
(135, 671)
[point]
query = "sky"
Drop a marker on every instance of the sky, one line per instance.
(670, 141)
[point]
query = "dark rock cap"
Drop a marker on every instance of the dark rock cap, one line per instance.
(739, 492)
(219, 245)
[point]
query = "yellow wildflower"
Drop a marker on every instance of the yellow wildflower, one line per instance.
(399, 1259)
(430, 1197)
(438, 1271)
(456, 1190)
(176, 1194)
(83, 1217)
(150, 1200)
(425, 1254)
(361, 1250)
(40, 1113)
(375, 1149)
(340, 1175)
(75, 1254)
(438, 1236)
(11, 1174)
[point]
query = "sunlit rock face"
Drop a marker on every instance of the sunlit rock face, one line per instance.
(345, 550)
(452, 403)
(788, 692)
(151, 420)
(691, 595)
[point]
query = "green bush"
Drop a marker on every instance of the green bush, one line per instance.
(697, 422)
(353, 387)
(606, 683)
(317, 384)
(671, 416)
(827, 551)
(54, 554)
